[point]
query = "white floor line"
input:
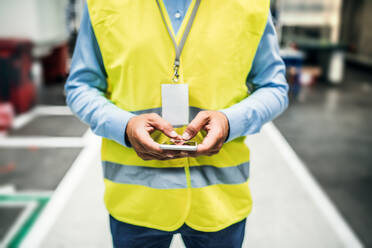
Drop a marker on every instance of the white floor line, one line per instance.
(34, 193)
(40, 110)
(22, 218)
(330, 212)
(22, 119)
(177, 241)
(53, 110)
(88, 157)
(7, 189)
(41, 142)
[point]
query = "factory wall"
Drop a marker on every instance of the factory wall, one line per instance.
(355, 28)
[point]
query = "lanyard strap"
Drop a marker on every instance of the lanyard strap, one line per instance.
(179, 48)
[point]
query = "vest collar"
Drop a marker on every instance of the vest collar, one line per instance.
(185, 20)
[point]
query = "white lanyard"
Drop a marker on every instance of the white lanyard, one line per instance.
(179, 48)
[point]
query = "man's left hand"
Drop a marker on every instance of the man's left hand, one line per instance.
(217, 127)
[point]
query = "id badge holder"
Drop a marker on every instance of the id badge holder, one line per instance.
(175, 103)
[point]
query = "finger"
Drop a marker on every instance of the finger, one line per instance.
(195, 125)
(177, 142)
(201, 151)
(165, 156)
(145, 153)
(147, 157)
(163, 126)
(183, 155)
(209, 146)
(160, 154)
(209, 142)
(178, 154)
(148, 144)
(149, 129)
(154, 157)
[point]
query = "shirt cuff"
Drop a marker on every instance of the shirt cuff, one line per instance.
(117, 124)
(243, 120)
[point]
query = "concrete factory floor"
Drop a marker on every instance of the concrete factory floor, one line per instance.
(330, 128)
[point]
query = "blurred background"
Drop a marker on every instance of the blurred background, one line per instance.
(312, 175)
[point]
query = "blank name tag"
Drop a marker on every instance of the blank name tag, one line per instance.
(175, 103)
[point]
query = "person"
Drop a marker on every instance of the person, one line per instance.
(148, 72)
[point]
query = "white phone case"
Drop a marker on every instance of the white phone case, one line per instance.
(179, 147)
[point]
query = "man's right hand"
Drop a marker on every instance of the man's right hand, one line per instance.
(138, 133)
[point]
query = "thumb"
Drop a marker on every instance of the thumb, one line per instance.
(164, 126)
(200, 120)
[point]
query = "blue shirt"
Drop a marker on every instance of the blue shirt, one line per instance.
(86, 85)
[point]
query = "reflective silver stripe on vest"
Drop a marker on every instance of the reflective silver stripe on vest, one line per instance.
(205, 175)
(158, 178)
(175, 178)
(193, 111)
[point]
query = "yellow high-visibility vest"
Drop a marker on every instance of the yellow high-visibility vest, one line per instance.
(208, 193)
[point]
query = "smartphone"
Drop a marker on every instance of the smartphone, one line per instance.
(187, 146)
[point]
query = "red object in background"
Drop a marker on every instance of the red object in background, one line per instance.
(6, 116)
(55, 65)
(23, 97)
(7, 168)
(16, 85)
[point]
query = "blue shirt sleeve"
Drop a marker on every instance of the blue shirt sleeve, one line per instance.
(269, 97)
(86, 87)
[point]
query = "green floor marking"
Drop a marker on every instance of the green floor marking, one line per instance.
(22, 232)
